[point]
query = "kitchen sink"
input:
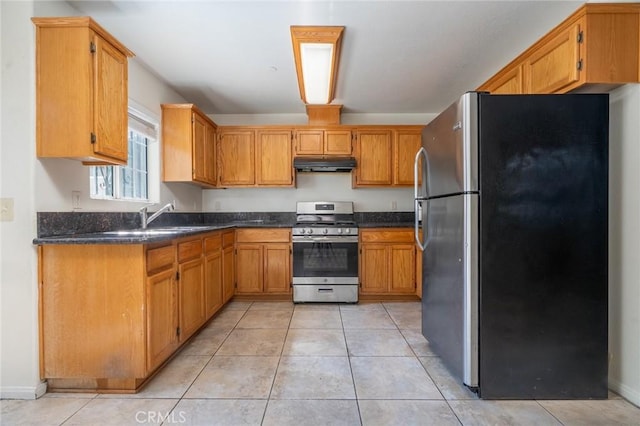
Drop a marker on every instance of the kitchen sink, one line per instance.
(165, 230)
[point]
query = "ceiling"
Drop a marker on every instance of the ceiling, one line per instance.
(401, 57)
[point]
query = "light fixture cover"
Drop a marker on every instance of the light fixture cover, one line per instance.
(316, 51)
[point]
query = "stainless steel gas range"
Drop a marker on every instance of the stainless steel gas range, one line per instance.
(325, 252)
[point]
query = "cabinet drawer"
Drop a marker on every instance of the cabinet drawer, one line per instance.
(270, 235)
(189, 249)
(228, 238)
(400, 235)
(212, 242)
(160, 258)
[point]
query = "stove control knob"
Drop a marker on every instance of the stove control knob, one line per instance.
(348, 230)
(325, 231)
(309, 231)
(340, 231)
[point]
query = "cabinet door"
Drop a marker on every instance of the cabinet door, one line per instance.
(236, 158)
(337, 142)
(309, 142)
(249, 268)
(199, 132)
(210, 155)
(213, 282)
(277, 268)
(405, 147)
(274, 165)
(510, 82)
(110, 101)
(228, 273)
(403, 267)
(192, 297)
(374, 271)
(373, 157)
(555, 64)
(162, 318)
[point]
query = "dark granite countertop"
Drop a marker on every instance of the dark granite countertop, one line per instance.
(151, 234)
(123, 228)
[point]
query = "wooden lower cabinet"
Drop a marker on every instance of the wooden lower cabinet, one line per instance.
(263, 261)
(213, 274)
(387, 261)
(111, 314)
(228, 265)
(162, 318)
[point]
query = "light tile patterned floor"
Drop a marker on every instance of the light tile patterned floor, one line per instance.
(275, 363)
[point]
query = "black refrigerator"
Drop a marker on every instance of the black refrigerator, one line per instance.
(511, 214)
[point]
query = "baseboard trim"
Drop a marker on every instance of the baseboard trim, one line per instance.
(628, 393)
(23, 392)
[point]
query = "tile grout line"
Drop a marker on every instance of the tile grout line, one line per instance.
(353, 379)
(275, 374)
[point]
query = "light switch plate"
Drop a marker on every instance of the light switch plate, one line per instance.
(6, 209)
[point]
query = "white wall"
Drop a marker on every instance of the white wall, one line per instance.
(310, 187)
(624, 242)
(45, 185)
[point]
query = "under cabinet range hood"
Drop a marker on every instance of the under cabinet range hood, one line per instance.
(324, 164)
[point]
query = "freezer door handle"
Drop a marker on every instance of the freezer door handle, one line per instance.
(422, 242)
(422, 153)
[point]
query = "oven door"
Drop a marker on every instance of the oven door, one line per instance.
(325, 260)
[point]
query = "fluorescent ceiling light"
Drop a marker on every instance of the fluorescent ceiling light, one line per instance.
(316, 51)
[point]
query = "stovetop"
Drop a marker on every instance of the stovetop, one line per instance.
(325, 218)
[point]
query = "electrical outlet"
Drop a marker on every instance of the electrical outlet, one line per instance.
(75, 200)
(394, 205)
(6, 209)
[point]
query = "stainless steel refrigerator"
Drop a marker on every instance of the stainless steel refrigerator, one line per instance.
(511, 215)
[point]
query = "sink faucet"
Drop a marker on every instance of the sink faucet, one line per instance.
(144, 220)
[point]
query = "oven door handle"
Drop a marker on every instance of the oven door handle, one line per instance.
(319, 239)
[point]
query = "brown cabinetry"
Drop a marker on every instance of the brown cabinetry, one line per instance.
(255, 157)
(263, 261)
(387, 261)
(274, 162)
(385, 155)
(188, 145)
(191, 286)
(81, 91)
(228, 265)
(111, 314)
(162, 305)
(213, 273)
(373, 150)
(323, 142)
(596, 48)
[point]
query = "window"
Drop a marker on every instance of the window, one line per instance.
(130, 182)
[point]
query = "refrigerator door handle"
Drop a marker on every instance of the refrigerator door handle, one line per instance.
(422, 242)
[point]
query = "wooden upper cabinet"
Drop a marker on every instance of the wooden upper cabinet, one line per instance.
(236, 152)
(274, 162)
(323, 142)
(406, 144)
(81, 91)
(596, 48)
(385, 155)
(255, 157)
(188, 145)
(373, 157)
(511, 82)
(555, 64)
